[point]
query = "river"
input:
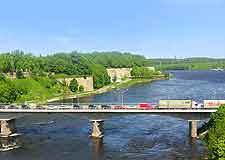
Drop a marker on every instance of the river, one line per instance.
(127, 137)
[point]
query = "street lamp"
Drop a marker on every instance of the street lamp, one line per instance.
(122, 96)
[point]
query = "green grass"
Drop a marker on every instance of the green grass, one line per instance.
(67, 76)
(38, 90)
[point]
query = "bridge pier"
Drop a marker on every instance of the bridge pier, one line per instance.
(193, 128)
(8, 135)
(97, 128)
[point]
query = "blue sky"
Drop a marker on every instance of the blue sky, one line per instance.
(154, 28)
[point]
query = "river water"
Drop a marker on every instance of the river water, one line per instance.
(127, 137)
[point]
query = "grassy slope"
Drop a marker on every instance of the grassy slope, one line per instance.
(40, 90)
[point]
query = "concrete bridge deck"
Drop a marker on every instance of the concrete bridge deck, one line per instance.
(108, 111)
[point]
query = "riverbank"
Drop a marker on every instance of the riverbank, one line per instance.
(120, 85)
(40, 90)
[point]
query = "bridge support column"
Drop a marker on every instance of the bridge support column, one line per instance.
(8, 135)
(193, 129)
(7, 127)
(97, 128)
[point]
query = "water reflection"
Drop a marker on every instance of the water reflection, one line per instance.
(10, 142)
(194, 149)
(97, 148)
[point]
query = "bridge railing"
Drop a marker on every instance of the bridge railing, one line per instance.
(89, 106)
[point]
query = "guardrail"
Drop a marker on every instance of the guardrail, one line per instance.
(92, 106)
(98, 108)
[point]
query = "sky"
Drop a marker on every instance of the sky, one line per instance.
(154, 28)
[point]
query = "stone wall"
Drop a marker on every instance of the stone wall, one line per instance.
(87, 82)
(119, 73)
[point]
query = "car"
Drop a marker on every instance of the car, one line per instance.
(25, 106)
(76, 106)
(131, 107)
(104, 106)
(2, 106)
(53, 107)
(119, 107)
(12, 107)
(197, 105)
(145, 106)
(91, 106)
(39, 107)
(64, 107)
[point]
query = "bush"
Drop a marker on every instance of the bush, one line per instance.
(19, 75)
(81, 88)
(73, 85)
(8, 93)
(114, 79)
(2, 77)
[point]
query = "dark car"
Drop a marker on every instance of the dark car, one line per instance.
(12, 107)
(76, 106)
(39, 107)
(106, 106)
(91, 106)
(2, 106)
(24, 106)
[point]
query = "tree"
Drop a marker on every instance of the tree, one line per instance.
(81, 88)
(100, 76)
(2, 77)
(142, 72)
(74, 85)
(8, 93)
(19, 74)
(114, 79)
(216, 135)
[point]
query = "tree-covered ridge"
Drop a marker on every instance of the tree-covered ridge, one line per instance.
(117, 59)
(73, 63)
(189, 63)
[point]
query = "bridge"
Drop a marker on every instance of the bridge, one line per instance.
(8, 115)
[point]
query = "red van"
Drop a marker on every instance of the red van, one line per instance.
(145, 106)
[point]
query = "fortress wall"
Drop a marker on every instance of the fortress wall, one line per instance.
(119, 73)
(87, 82)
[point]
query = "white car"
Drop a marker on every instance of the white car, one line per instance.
(53, 107)
(197, 105)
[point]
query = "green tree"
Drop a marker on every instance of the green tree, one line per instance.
(100, 76)
(216, 135)
(142, 72)
(2, 77)
(81, 88)
(73, 85)
(19, 74)
(8, 93)
(114, 79)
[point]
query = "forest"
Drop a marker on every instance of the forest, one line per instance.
(189, 63)
(73, 63)
(43, 71)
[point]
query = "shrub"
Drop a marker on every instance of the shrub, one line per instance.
(8, 93)
(73, 85)
(19, 75)
(2, 77)
(81, 88)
